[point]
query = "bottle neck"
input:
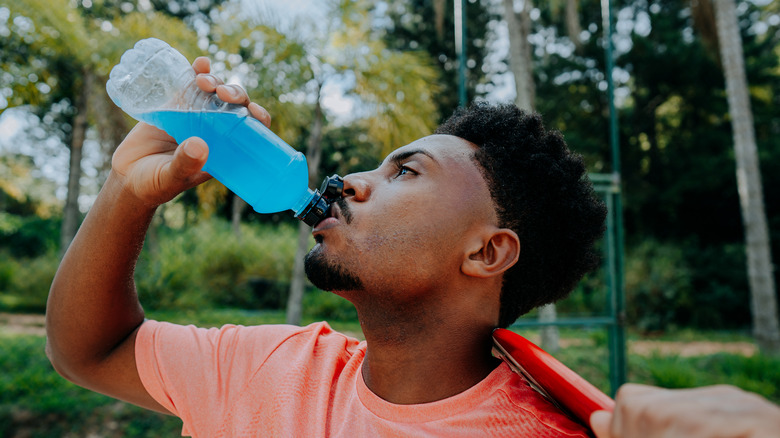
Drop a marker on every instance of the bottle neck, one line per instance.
(313, 208)
(305, 201)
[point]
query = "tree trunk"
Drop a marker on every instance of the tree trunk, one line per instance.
(520, 61)
(439, 7)
(759, 259)
(71, 213)
(573, 26)
(298, 281)
(550, 335)
(235, 217)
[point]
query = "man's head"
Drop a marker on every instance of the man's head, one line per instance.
(541, 191)
(493, 205)
(402, 232)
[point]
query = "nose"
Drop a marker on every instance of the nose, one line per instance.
(357, 187)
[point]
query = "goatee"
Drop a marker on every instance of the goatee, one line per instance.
(327, 275)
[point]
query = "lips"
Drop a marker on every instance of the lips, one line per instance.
(331, 219)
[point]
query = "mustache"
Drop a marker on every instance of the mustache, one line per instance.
(344, 210)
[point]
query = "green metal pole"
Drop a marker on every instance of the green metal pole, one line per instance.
(460, 49)
(617, 339)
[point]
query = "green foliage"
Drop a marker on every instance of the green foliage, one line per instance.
(35, 401)
(413, 25)
(25, 283)
(720, 296)
(671, 372)
(656, 276)
(208, 265)
(757, 373)
(318, 304)
(28, 236)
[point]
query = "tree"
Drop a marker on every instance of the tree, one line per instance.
(521, 65)
(286, 72)
(395, 89)
(428, 26)
(520, 59)
(75, 54)
(759, 260)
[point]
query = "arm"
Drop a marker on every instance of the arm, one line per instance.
(711, 412)
(93, 313)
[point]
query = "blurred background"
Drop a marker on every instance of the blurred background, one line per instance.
(348, 81)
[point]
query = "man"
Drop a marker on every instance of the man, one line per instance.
(453, 235)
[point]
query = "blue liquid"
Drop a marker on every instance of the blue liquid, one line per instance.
(245, 156)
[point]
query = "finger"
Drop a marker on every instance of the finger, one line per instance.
(260, 114)
(188, 160)
(208, 82)
(201, 65)
(600, 422)
(233, 94)
(634, 404)
(634, 389)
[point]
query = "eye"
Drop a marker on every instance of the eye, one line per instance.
(403, 170)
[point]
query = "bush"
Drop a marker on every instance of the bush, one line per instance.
(208, 265)
(26, 282)
(35, 401)
(28, 236)
(658, 285)
(318, 304)
(719, 278)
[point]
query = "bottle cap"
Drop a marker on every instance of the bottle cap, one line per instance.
(329, 192)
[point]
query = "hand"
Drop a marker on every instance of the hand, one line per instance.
(154, 168)
(713, 411)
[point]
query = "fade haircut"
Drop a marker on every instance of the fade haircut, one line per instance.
(541, 191)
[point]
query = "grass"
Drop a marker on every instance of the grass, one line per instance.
(36, 402)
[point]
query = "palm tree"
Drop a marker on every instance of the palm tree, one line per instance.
(759, 259)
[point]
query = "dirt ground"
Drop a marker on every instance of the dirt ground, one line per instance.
(34, 325)
(22, 324)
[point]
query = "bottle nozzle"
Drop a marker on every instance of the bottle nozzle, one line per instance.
(330, 191)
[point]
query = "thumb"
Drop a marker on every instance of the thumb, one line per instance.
(188, 159)
(600, 422)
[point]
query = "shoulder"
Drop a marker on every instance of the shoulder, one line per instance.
(226, 341)
(525, 406)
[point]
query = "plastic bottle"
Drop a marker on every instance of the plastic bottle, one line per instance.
(155, 84)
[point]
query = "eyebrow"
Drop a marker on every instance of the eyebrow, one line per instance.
(400, 157)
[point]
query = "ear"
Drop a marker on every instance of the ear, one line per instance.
(492, 253)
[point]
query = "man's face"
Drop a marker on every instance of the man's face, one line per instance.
(404, 226)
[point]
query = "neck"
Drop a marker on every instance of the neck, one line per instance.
(415, 357)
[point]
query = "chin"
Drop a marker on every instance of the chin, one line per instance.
(327, 274)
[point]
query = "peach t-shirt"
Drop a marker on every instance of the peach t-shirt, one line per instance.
(288, 381)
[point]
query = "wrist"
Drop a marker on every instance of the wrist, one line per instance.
(118, 192)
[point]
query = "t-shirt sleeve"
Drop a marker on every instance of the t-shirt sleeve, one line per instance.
(191, 371)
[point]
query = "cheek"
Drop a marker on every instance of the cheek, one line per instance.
(408, 258)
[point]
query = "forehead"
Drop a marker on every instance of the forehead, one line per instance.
(451, 164)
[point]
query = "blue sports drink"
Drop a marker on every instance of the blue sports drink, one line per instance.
(245, 156)
(155, 83)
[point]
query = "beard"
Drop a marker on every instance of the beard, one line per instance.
(327, 275)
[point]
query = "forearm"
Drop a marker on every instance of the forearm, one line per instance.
(93, 305)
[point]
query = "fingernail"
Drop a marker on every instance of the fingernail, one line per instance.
(193, 150)
(212, 80)
(232, 90)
